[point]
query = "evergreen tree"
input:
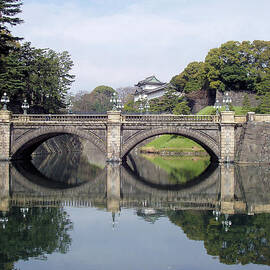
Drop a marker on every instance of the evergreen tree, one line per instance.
(42, 76)
(167, 102)
(264, 107)
(263, 84)
(233, 66)
(130, 106)
(96, 101)
(246, 107)
(182, 108)
(8, 10)
(191, 79)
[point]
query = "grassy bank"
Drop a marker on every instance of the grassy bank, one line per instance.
(172, 143)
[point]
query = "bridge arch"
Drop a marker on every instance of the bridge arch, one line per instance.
(203, 139)
(30, 140)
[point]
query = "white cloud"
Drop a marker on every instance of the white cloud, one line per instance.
(144, 38)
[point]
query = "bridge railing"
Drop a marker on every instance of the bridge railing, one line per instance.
(240, 118)
(262, 117)
(59, 118)
(171, 118)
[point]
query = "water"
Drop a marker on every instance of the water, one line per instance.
(64, 212)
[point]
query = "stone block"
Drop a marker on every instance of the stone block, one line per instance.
(5, 116)
(227, 117)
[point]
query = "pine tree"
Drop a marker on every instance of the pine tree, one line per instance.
(182, 108)
(8, 10)
(265, 105)
(246, 107)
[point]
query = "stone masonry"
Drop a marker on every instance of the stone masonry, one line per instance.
(114, 136)
(5, 129)
(227, 138)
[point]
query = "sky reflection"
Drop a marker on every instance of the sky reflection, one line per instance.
(133, 244)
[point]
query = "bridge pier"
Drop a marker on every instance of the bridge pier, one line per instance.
(114, 136)
(5, 137)
(4, 186)
(227, 137)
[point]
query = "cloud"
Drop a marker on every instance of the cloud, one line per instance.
(120, 42)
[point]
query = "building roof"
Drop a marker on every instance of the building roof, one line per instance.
(152, 80)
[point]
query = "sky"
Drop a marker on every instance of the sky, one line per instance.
(120, 42)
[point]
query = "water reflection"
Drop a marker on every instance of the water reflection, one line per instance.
(33, 233)
(227, 207)
(70, 169)
(180, 169)
(227, 188)
(145, 171)
(247, 240)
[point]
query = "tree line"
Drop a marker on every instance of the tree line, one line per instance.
(234, 66)
(41, 76)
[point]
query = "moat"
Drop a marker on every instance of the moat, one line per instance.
(72, 211)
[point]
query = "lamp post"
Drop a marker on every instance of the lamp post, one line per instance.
(69, 108)
(147, 106)
(144, 103)
(5, 101)
(217, 106)
(116, 102)
(25, 106)
(227, 100)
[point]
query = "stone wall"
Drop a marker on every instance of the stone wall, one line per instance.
(238, 97)
(253, 143)
(200, 99)
(60, 144)
(72, 144)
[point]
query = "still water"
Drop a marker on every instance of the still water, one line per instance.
(69, 212)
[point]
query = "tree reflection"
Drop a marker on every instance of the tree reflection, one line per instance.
(246, 241)
(33, 233)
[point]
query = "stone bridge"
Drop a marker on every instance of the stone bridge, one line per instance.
(226, 137)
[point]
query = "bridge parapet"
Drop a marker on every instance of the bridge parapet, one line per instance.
(59, 118)
(261, 117)
(168, 118)
(239, 119)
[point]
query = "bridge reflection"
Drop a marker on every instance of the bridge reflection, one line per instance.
(228, 188)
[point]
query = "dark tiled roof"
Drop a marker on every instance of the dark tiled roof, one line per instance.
(150, 80)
